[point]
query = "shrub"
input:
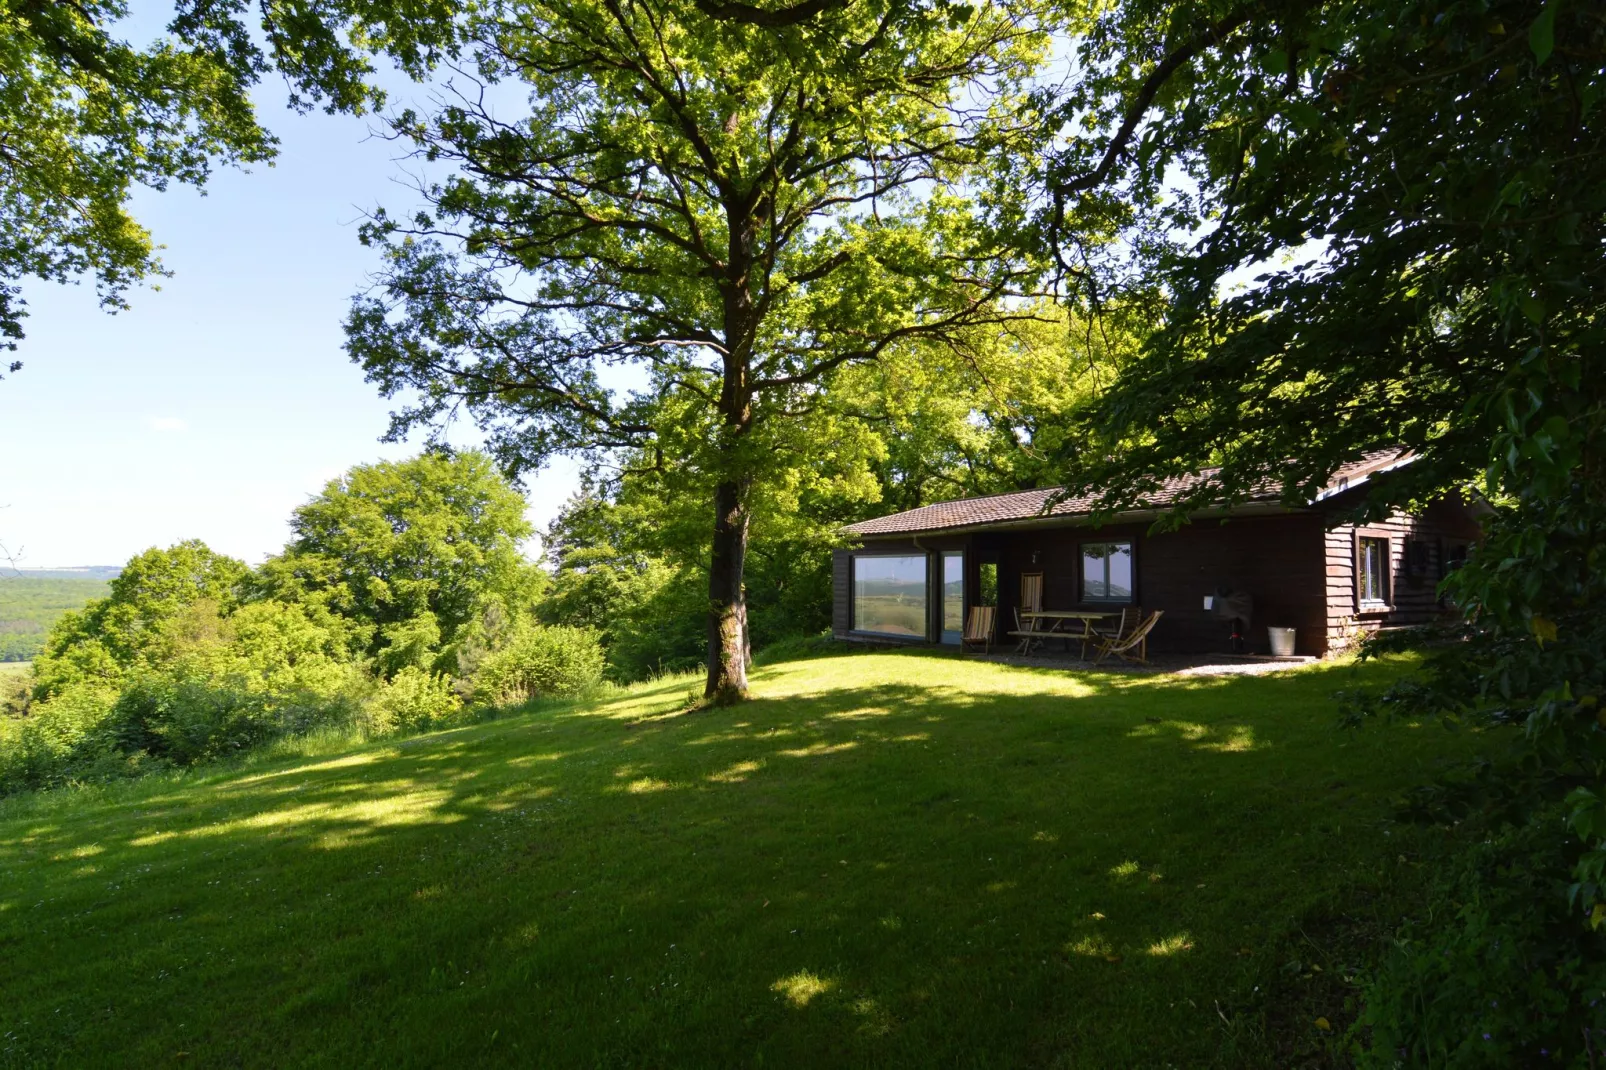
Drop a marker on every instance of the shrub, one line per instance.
(413, 700)
(226, 684)
(541, 661)
(1499, 971)
(190, 720)
(58, 739)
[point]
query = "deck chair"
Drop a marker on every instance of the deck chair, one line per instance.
(979, 628)
(1124, 646)
(1125, 623)
(1031, 592)
(1130, 618)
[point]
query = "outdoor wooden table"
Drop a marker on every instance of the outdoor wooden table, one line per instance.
(1055, 618)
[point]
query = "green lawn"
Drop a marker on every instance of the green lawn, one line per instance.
(883, 860)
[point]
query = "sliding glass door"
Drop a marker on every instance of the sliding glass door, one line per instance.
(953, 597)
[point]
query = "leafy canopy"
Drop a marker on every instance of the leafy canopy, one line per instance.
(411, 553)
(737, 205)
(739, 209)
(142, 621)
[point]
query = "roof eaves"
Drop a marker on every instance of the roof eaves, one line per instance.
(1349, 483)
(1077, 520)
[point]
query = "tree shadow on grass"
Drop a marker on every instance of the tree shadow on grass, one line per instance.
(883, 873)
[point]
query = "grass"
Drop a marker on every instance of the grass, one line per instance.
(895, 859)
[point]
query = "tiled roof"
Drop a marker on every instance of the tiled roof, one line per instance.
(1029, 504)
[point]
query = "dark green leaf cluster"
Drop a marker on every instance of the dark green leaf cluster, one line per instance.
(1421, 197)
(1494, 971)
(1379, 225)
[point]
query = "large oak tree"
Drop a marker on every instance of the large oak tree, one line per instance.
(735, 205)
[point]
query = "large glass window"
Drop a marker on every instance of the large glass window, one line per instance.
(953, 597)
(889, 595)
(1107, 572)
(1372, 571)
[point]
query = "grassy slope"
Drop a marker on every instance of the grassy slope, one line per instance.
(885, 859)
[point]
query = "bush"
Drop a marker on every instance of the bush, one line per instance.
(225, 685)
(57, 739)
(540, 661)
(413, 700)
(1499, 972)
(191, 720)
(187, 719)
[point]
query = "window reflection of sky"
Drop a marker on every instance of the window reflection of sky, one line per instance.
(1107, 571)
(889, 595)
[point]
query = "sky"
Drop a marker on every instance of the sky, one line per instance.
(223, 400)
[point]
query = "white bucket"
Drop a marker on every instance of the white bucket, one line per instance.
(1282, 642)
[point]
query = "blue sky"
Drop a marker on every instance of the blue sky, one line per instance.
(223, 400)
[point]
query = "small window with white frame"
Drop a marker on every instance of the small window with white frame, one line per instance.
(1372, 572)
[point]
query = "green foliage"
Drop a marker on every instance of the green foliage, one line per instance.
(739, 205)
(1421, 186)
(627, 570)
(59, 738)
(410, 571)
(1448, 182)
(994, 418)
(1494, 971)
(145, 620)
(540, 661)
(87, 118)
(30, 605)
(413, 700)
(630, 556)
(220, 685)
(408, 553)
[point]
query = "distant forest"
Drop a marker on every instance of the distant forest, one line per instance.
(32, 602)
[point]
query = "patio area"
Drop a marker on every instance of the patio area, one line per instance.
(1179, 664)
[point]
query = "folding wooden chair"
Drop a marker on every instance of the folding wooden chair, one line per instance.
(1123, 646)
(1031, 592)
(979, 628)
(1021, 633)
(1130, 618)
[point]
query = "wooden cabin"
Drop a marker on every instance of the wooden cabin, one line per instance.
(911, 577)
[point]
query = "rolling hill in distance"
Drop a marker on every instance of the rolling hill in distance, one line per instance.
(33, 599)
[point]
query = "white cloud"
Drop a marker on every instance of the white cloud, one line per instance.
(168, 423)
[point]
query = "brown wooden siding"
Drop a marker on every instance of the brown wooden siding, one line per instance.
(841, 591)
(1412, 594)
(1278, 560)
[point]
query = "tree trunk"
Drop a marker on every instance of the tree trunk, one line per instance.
(728, 649)
(727, 599)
